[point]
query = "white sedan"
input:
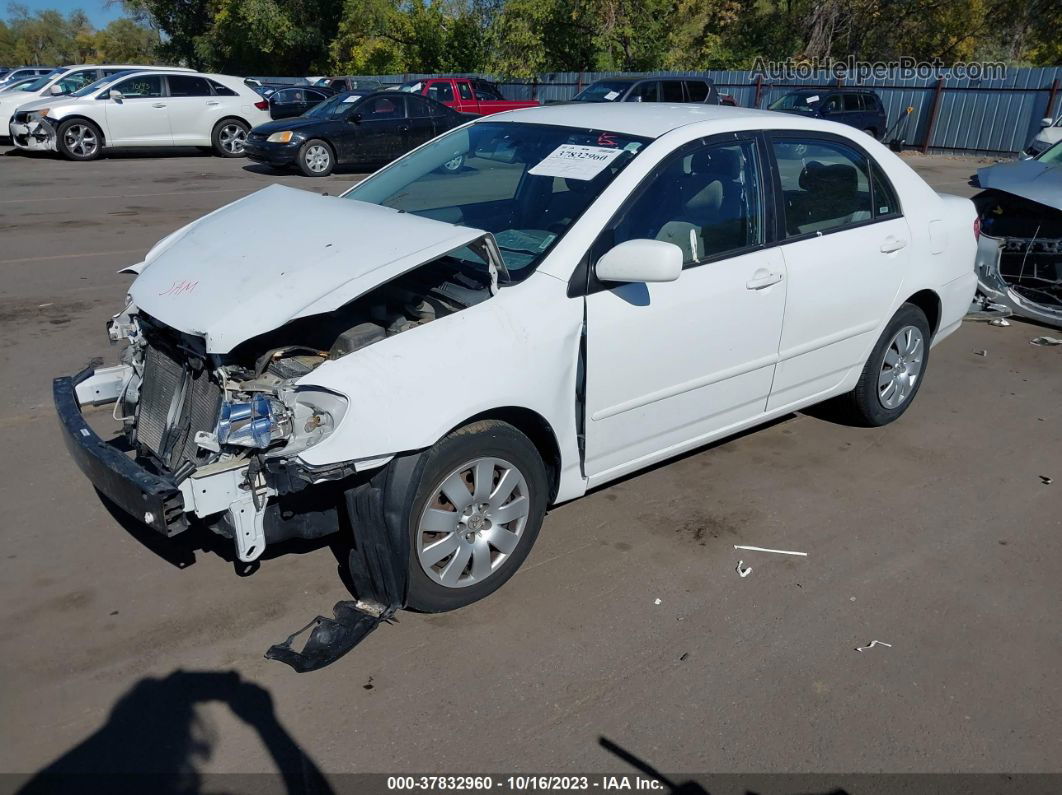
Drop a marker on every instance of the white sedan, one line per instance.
(596, 289)
(147, 107)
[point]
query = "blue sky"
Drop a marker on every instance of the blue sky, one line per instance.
(99, 11)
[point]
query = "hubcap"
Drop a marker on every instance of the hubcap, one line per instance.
(80, 139)
(454, 164)
(317, 158)
(473, 522)
(901, 367)
(232, 137)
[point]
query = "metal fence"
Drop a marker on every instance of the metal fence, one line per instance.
(959, 116)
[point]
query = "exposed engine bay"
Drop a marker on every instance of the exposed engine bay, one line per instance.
(189, 414)
(1019, 257)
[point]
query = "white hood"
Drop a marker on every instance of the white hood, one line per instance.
(36, 103)
(280, 254)
(10, 101)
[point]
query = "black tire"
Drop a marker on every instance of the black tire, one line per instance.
(73, 136)
(483, 439)
(227, 137)
(865, 401)
(316, 158)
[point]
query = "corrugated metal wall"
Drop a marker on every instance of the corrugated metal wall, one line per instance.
(973, 116)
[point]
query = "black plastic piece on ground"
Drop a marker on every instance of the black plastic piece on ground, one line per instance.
(377, 568)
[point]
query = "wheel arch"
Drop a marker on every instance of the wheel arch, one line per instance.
(536, 428)
(930, 304)
(230, 117)
(83, 117)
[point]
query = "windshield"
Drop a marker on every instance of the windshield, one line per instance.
(17, 85)
(333, 107)
(524, 183)
(1052, 156)
(799, 101)
(103, 82)
(38, 84)
(602, 91)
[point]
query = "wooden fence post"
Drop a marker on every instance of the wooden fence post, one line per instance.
(933, 114)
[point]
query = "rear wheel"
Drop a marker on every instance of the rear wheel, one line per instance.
(479, 506)
(895, 370)
(315, 158)
(79, 139)
(228, 137)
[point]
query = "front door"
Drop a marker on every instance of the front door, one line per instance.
(140, 117)
(671, 365)
(845, 250)
(381, 129)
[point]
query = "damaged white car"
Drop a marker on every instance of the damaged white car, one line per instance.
(1019, 257)
(594, 290)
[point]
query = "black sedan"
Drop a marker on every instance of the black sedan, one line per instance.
(296, 100)
(352, 129)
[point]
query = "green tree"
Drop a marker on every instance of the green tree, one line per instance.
(126, 41)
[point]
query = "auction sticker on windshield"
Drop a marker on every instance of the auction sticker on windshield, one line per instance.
(575, 162)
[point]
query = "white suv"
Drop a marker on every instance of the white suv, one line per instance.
(63, 82)
(143, 108)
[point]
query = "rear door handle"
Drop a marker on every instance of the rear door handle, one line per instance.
(763, 279)
(158, 105)
(892, 244)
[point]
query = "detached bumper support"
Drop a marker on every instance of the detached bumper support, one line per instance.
(378, 511)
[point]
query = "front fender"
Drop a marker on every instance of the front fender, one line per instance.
(517, 349)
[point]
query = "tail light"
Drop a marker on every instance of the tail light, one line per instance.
(262, 104)
(977, 228)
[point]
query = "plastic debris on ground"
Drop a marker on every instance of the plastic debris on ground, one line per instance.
(1045, 341)
(743, 570)
(872, 644)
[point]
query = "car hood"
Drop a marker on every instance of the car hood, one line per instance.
(1030, 179)
(293, 123)
(10, 100)
(43, 102)
(250, 267)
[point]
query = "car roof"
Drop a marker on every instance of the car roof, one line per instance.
(646, 119)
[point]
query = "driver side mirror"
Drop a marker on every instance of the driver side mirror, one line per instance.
(640, 261)
(55, 90)
(116, 95)
(1046, 122)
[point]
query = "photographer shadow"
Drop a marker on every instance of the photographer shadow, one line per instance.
(155, 739)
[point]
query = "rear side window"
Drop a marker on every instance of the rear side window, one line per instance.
(671, 91)
(697, 90)
(825, 185)
(464, 91)
(871, 101)
(188, 86)
(222, 91)
(441, 92)
(417, 107)
(885, 201)
(853, 102)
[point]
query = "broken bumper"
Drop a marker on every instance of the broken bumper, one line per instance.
(34, 136)
(151, 499)
(1039, 267)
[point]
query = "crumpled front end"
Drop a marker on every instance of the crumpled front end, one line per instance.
(1019, 256)
(33, 132)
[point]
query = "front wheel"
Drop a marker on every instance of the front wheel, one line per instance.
(79, 139)
(478, 509)
(315, 158)
(228, 138)
(895, 370)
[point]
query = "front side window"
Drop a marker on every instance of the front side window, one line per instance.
(140, 87)
(382, 109)
(441, 92)
(648, 91)
(825, 185)
(671, 91)
(706, 201)
(464, 91)
(524, 183)
(188, 86)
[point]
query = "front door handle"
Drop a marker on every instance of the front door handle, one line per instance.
(158, 104)
(892, 244)
(762, 279)
(213, 103)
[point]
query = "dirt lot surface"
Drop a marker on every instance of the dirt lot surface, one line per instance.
(937, 535)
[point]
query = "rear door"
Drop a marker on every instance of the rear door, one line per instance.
(192, 107)
(845, 243)
(140, 117)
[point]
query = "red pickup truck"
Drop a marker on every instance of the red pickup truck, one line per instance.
(464, 95)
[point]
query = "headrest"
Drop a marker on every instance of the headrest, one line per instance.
(836, 178)
(719, 163)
